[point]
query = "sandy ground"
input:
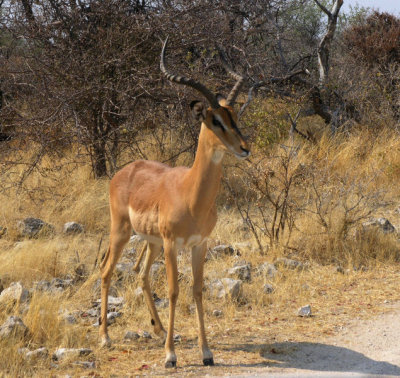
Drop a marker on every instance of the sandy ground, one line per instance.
(365, 348)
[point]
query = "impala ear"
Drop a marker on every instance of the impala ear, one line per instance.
(198, 110)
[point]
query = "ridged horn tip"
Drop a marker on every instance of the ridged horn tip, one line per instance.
(187, 81)
(162, 65)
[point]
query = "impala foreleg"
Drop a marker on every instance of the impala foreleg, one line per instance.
(117, 241)
(152, 252)
(173, 292)
(198, 256)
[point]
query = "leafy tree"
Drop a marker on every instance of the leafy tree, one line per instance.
(374, 42)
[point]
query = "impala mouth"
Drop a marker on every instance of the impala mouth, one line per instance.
(245, 154)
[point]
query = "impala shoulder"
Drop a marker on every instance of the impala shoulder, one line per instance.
(141, 170)
(149, 166)
(173, 179)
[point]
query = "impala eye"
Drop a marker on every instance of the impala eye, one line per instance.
(217, 123)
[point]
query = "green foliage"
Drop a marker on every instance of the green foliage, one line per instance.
(355, 15)
(268, 119)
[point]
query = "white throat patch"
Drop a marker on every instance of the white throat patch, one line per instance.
(217, 156)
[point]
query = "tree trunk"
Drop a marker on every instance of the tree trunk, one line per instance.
(98, 143)
(325, 44)
(99, 159)
(28, 10)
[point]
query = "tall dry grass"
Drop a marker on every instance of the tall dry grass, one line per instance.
(324, 192)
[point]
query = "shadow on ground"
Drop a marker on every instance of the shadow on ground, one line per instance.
(316, 357)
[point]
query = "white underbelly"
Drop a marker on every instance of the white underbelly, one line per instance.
(150, 238)
(145, 225)
(180, 243)
(190, 242)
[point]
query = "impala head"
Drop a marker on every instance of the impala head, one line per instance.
(220, 116)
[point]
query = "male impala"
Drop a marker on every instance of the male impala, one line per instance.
(173, 208)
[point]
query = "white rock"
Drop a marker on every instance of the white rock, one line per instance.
(85, 364)
(67, 353)
(73, 228)
(14, 293)
(13, 327)
(130, 335)
(242, 272)
(130, 253)
(268, 270)
(224, 250)
(69, 319)
(288, 263)
(42, 285)
(111, 316)
(157, 270)
(380, 223)
(217, 313)
(134, 239)
(93, 313)
(125, 268)
(304, 311)
(23, 350)
(116, 301)
(138, 293)
(37, 353)
(31, 227)
(268, 289)
(226, 288)
(59, 284)
(113, 301)
(161, 302)
(145, 335)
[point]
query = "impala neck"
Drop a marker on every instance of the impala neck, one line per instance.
(205, 175)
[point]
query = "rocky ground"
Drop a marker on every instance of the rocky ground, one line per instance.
(252, 343)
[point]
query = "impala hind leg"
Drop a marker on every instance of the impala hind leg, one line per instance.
(119, 236)
(152, 252)
(198, 256)
(136, 267)
(170, 253)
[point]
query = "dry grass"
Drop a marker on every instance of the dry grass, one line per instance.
(246, 329)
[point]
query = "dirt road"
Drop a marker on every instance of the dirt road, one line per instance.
(365, 348)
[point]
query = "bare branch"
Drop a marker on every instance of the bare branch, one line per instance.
(293, 128)
(263, 83)
(328, 13)
(250, 96)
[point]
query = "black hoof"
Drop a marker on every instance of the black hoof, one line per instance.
(170, 364)
(208, 362)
